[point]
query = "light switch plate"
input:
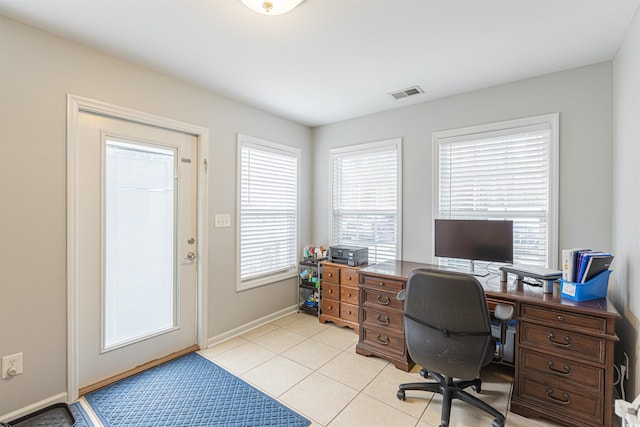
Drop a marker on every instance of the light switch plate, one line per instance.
(222, 220)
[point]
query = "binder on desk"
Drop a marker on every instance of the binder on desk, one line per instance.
(596, 265)
(584, 261)
(570, 263)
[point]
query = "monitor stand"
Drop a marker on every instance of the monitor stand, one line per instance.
(471, 270)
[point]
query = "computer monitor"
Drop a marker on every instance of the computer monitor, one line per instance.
(474, 240)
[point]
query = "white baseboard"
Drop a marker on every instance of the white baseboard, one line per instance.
(217, 339)
(58, 398)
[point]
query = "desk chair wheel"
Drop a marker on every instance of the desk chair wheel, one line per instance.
(497, 423)
(401, 395)
(477, 388)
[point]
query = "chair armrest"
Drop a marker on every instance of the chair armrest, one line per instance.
(503, 312)
(401, 295)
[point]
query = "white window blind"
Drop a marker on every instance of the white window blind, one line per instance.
(268, 211)
(504, 171)
(366, 194)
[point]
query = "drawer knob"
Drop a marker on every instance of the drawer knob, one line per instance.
(566, 343)
(381, 321)
(385, 301)
(565, 397)
(560, 318)
(382, 341)
(381, 283)
(565, 372)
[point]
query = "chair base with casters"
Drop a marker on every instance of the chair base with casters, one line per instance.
(452, 389)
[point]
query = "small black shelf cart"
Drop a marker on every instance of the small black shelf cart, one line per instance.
(309, 278)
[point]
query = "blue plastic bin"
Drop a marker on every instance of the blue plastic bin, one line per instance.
(593, 289)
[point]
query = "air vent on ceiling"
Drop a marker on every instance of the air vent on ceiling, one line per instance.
(414, 90)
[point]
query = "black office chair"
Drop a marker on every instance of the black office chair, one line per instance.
(448, 332)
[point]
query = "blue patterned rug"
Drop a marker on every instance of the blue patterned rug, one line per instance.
(82, 419)
(189, 391)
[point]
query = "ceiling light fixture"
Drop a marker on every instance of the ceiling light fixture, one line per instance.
(272, 7)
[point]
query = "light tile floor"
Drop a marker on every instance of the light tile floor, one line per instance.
(313, 368)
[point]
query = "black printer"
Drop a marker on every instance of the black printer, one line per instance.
(349, 255)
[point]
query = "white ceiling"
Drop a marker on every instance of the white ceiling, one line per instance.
(331, 60)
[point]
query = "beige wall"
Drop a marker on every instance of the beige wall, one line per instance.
(582, 96)
(38, 70)
(625, 283)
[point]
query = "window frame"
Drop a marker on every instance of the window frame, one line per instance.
(285, 150)
(550, 121)
(375, 146)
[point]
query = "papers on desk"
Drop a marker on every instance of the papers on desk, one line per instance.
(581, 265)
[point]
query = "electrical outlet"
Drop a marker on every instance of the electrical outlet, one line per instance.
(626, 366)
(12, 365)
(222, 220)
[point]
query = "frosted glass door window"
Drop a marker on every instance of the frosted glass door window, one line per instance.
(140, 236)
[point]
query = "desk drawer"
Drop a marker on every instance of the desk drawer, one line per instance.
(349, 276)
(583, 376)
(380, 319)
(379, 299)
(392, 285)
(383, 341)
(349, 312)
(330, 291)
(349, 295)
(330, 274)
(562, 342)
(564, 319)
(562, 399)
(330, 307)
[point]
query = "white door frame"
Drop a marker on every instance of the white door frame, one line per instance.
(75, 105)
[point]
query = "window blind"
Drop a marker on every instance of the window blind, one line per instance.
(503, 174)
(268, 211)
(365, 198)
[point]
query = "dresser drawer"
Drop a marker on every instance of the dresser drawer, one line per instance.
(349, 312)
(378, 319)
(330, 274)
(394, 285)
(562, 399)
(562, 342)
(330, 307)
(349, 295)
(379, 299)
(330, 291)
(386, 343)
(349, 276)
(561, 318)
(578, 374)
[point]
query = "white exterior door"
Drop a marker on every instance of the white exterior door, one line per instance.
(136, 207)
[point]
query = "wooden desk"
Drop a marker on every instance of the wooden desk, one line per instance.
(563, 352)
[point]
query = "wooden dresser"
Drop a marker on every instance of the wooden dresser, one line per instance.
(339, 296)
(565, 364)
(563, 367)
(381, 318)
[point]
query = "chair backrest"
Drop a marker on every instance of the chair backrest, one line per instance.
(447, 323)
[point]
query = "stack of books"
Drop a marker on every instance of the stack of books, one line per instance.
(582, 265)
